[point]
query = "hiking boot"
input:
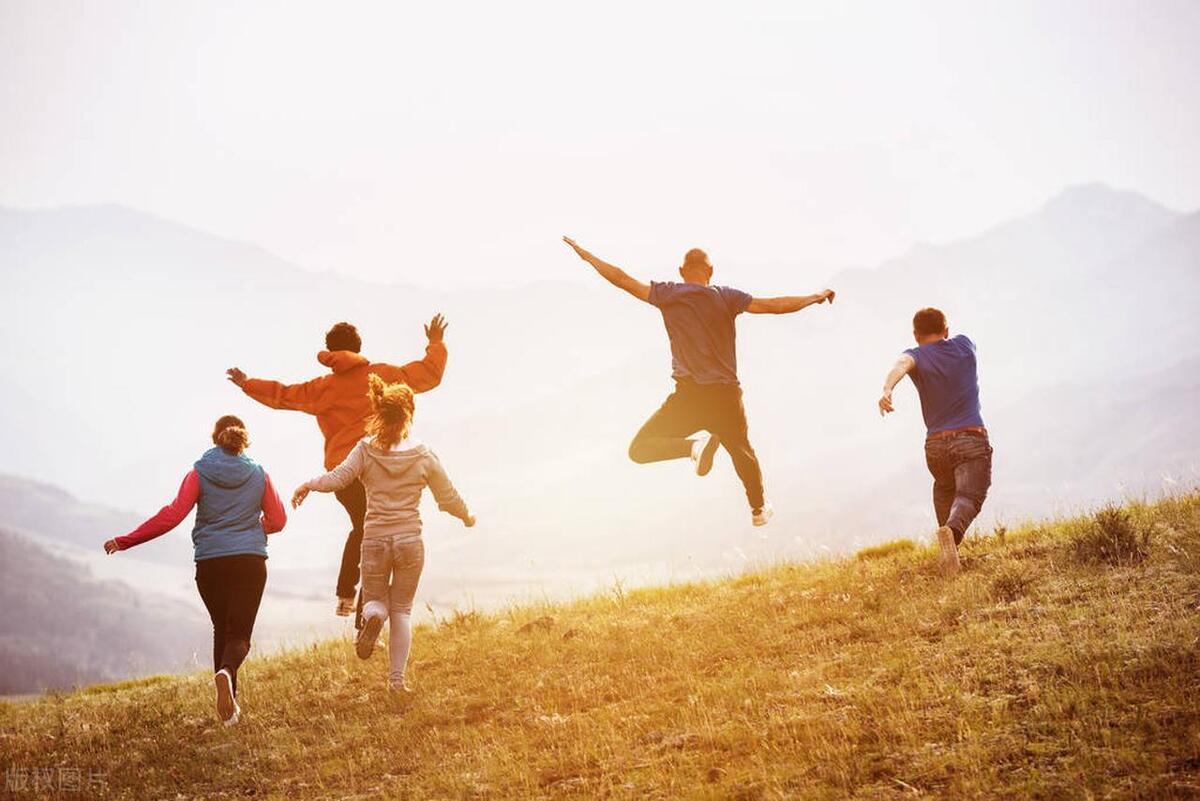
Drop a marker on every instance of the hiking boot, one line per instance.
(227, 706)
(703, 450)
(949, 559)
(345, 606)
(760, 516)
(364, 645)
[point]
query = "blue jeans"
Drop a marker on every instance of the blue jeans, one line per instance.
(961, 465)
(391, 568)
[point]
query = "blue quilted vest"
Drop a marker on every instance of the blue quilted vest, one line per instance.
(228, 514)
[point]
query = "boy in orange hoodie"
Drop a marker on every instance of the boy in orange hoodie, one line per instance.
(339, 401)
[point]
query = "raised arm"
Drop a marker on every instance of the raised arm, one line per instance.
(167, 518)
(788, 303)
(336, 479)
(424, 374)
(612, 273)
(901, 368)
(304, 397)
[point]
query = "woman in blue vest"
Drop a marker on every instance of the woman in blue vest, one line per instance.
(236, 507)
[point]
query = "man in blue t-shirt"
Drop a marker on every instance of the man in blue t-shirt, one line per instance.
(700, 324)
(957, 450)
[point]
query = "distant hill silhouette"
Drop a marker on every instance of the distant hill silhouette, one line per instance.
(118, 327)
(62, 628)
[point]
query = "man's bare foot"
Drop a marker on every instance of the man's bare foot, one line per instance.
(950, 564)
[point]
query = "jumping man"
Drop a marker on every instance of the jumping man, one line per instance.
(957, 450)
(700, 322)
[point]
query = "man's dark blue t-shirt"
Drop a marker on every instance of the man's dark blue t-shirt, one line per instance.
(948, 383)
(700, 325)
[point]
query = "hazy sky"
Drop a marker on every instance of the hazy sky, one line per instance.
(451, 143)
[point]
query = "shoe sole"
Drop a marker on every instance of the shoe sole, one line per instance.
(225, 703)
(950, 564)
(364, 646)
(705, 463)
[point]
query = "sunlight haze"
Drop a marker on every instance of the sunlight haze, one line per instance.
(449, 145)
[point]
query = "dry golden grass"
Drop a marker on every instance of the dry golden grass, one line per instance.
(1038, 673)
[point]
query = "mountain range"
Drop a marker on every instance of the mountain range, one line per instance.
(117, 327)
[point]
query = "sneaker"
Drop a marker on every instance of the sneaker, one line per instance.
(703, 450)
(950, 564)
(345, 606)
(759, 517)
(236, 716)
(364, 645)
(227, 706)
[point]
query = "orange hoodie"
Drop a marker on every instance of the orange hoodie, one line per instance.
(340, 400)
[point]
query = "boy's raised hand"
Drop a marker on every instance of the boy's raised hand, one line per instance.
(236, 376)
(111, 547)
(436, 329)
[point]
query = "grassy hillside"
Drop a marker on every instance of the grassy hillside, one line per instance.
(1062, 663)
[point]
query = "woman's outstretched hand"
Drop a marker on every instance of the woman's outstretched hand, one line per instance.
(469, 520)
(111, 547)
(299, 495)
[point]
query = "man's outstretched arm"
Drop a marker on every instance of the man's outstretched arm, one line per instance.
(789, 304)
(612, 273)
(901, 368)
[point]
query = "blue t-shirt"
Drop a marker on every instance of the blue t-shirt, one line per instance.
(948, 382)
(699, 321)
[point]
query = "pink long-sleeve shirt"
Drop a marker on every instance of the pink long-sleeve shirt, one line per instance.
(274, 515)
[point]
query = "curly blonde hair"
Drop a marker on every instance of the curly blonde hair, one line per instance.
(392, 408)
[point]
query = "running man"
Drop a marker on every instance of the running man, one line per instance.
(339, 401)
(700, 322)
(957, 450)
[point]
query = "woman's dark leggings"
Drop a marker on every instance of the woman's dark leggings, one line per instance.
(231, 587)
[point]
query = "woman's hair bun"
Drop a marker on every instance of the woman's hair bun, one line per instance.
(230, 434)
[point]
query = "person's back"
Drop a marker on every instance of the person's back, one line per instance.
(946, 375)
(394, 469)
(700, 323)
(339, 402)
(958, 451)
(228, 508)
(395, 479)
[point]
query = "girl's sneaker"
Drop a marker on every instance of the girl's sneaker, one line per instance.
(364, 646)
(227, 706)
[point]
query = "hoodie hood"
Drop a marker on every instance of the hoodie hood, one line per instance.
(224, 469)
(340, 361)
(398, 464)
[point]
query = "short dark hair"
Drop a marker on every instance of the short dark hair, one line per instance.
(929, 321)
(343, 336)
